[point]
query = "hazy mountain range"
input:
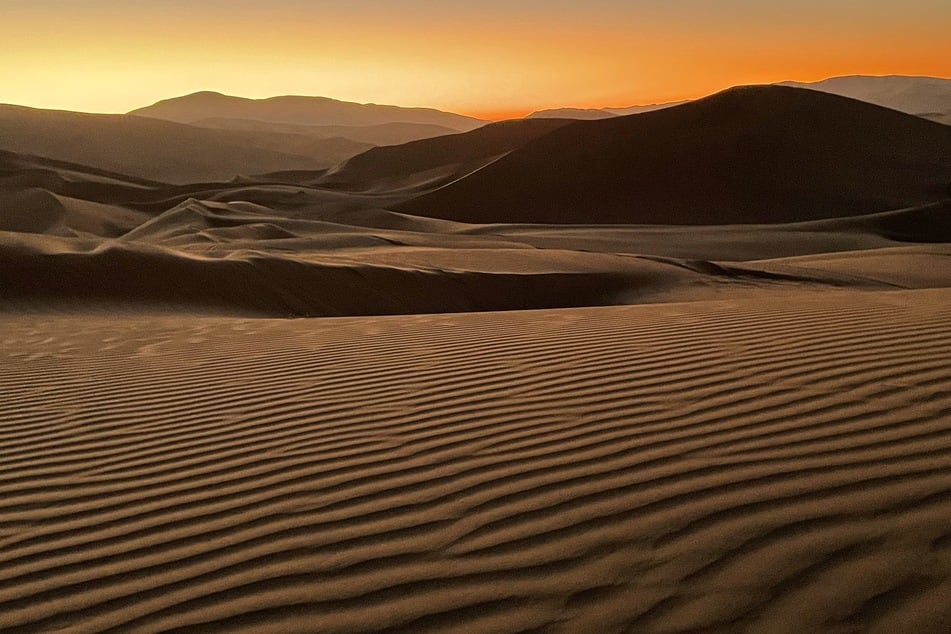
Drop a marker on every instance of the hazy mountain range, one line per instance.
(209, 136)
(599, 113)
(298, 110)
(923, 96)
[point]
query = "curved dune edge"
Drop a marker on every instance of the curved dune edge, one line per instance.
(773, 465)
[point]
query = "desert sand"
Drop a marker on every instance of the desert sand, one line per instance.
(286, 403)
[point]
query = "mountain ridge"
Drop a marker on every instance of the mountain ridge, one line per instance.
(297, 109)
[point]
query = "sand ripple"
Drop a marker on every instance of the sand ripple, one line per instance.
(754, 465)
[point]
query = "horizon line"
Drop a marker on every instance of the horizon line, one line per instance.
(488, 115)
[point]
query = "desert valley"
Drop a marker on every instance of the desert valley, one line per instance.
(299, 364)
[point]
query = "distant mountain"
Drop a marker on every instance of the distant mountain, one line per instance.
(602, 113)
(928, 97)
(432, 161)
(380, 134)
(914, 95)
(312, 111)
(586, 114)
(162, 150)
(762, 154)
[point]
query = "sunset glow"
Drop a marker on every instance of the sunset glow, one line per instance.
(486, 59)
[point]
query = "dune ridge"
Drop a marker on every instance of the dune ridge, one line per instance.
(745, 464)
(755, 154)
(429, 163)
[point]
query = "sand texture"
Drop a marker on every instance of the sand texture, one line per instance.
(777, 466)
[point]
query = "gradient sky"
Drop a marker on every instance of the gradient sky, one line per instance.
(490, 58)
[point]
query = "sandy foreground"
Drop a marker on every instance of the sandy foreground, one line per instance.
(779, 463)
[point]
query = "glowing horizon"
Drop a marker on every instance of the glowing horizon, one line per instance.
(487, 60)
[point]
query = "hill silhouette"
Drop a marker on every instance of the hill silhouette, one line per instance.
(298, 110)
(163, 150)
(762, 154)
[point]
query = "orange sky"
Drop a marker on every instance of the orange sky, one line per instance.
(488, 59)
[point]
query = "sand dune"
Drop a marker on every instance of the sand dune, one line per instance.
(281, 250)
(433, 162)
(298, 110)
(241, 258)
(940, 117)
(780, 466)
(41, 211)
(747, 155)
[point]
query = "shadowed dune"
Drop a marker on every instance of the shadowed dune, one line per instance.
(149, 278)
(760, 465)
(747, 155)
(940, 117)
(296, 250)
(237, 258)
(41, 211)
(432, 162)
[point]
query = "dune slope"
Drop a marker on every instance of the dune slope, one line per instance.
(761, 154)
(432, 162)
